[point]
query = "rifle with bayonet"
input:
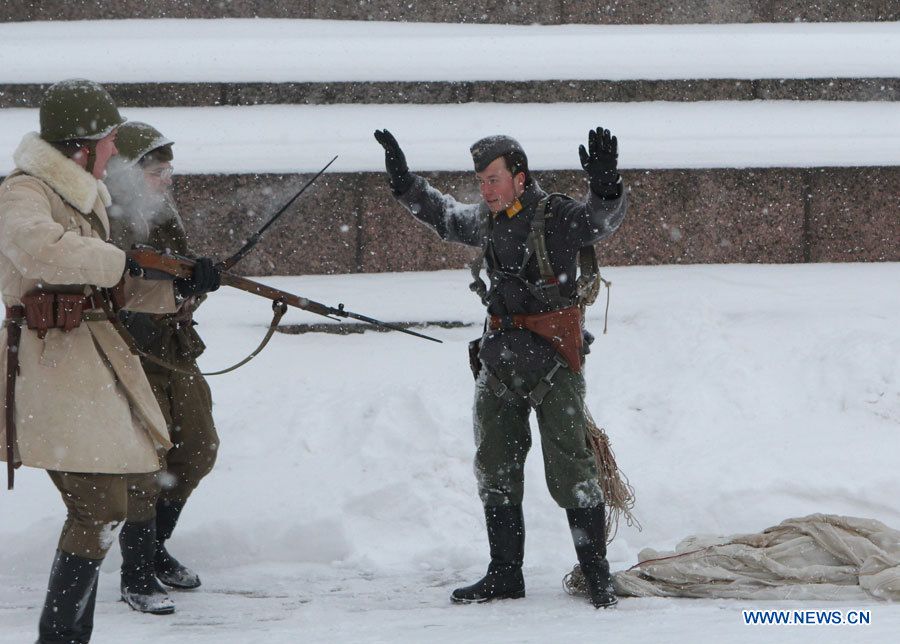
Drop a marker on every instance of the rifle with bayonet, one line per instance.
(158, 265)
(229, 262)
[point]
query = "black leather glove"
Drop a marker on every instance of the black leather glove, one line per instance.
(394, 162)
(132, 267)
(205, 278)
(600, 161)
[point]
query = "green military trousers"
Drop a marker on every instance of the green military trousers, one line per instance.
(96, 504)
(186, 404)
(503, 438)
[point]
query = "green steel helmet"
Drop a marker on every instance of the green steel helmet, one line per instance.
(78, 109)
(136, 139)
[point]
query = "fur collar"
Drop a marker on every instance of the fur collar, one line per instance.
(70, 181)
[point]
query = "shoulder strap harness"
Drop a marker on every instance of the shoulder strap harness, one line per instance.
(547, 288)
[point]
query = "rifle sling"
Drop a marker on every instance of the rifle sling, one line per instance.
(279, 308)
(15, 317)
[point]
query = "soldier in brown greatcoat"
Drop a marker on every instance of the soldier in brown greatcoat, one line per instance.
(78, 403)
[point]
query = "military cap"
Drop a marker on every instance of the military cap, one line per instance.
(491, 147)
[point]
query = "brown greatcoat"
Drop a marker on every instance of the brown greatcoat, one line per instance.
(82, 402)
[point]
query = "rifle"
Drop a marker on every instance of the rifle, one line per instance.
(229, 262)
(158, 265)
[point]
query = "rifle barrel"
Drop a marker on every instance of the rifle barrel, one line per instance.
(386, 325)
(174, 266)
(274, 294)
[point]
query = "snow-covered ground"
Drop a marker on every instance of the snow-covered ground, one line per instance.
(715, 134)
(343, 506)
(127, 51)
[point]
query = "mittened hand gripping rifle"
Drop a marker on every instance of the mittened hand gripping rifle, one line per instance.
(156, 265)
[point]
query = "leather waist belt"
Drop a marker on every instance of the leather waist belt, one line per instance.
(16, 312)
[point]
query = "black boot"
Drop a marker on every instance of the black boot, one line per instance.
(168, 569)
(68, 614)
(506, 536)
(588, 527)
(140, 589)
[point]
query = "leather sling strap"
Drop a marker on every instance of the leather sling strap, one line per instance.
(15, 315)
(278, 308)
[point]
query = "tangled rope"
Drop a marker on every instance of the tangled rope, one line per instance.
(617, 492)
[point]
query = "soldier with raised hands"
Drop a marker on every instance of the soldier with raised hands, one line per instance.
(531, 354)
(77, 401)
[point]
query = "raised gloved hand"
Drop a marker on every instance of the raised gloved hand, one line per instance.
(394, 162)
(600, 161)
(205, 278)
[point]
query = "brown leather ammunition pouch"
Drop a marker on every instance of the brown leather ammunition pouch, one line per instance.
(39, 315)
(561, 328)
(69, 309)
(45, 311)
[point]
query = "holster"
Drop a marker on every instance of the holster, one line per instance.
(561, 328)
(14, 315)
(474, 360)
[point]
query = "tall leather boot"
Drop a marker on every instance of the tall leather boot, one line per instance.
(68, 614)
(140, 589)
(506, 536)
(588, 526)
(168, 569)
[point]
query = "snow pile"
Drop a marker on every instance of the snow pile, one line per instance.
(714, 134)
(343, 505)
(130, 51)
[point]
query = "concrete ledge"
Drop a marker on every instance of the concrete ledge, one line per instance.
(349, 222)
(562, 91)
(479, 11)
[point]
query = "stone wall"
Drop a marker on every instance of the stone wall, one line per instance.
(478, 11)
(448, 93)
(350, 223)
